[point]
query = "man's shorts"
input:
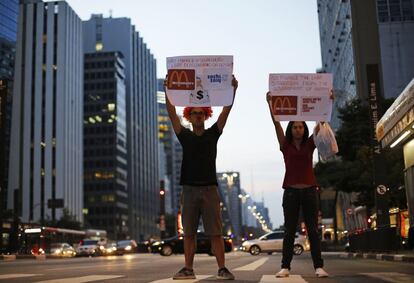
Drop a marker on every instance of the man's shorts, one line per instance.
(201, 201)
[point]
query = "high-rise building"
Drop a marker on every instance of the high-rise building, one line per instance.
(355, 34)
(45, 172)
(335, 26)
(105, 149)
(396, 33)
(229, 184)
(9, 10)
(118, 34)
(166, 137)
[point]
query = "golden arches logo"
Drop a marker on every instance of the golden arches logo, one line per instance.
(285, 105)
(181, 79)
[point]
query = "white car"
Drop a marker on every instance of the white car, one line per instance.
(273, 242)
(88, 247)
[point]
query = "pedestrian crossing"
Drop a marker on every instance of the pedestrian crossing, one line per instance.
(393, 277)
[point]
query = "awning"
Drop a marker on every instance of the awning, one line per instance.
(396, 122)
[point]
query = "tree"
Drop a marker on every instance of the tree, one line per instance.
(67, 221)
(353, 170)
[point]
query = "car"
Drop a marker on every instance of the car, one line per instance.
(126, 246)
(175, 245)
(62, 249)
(273, 242)
(111, 249)
(89, 247)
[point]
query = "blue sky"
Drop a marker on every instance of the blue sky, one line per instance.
(264, 36)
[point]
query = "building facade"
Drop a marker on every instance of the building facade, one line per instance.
(45, 171)
(9, 10)
(396, 30)
(118, 34)
(229, 185)
(105, 144)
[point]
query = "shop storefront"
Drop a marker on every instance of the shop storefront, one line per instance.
(395, 130)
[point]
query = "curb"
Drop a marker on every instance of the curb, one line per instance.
(385, 257)
(7, 257)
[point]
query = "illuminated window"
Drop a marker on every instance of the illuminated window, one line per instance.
(111, 106)
(99, 46)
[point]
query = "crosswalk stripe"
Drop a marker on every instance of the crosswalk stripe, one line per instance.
(199, 277)
(252, 266)
(82, 279)
(290, 279)
(11, 276)
(393, 277)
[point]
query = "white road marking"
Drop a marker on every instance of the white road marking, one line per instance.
(290, 279)
(82, 279)
(199, 277)
(252, 266)
(11, 276)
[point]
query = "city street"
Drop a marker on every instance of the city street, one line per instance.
(155, 268)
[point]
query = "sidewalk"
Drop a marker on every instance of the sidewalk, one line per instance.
(401, 256)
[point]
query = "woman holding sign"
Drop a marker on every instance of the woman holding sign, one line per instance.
(200, 196)
(300, 190)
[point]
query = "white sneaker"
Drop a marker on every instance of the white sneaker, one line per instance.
(284, 272)
(321, 273)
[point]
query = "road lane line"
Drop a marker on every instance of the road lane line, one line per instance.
(394, 277)
(82, 279)
(11, 276)
(252, 266)
(199, 277)
(290, 279)
(79, 267)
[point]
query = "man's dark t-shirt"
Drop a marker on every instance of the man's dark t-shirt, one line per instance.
(199, 157)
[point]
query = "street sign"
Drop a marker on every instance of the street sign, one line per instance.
(381, 189)
(55, 203)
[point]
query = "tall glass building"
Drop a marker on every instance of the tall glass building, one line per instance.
(118, 34)
(9, 10)
(104, 149)
(45, 171)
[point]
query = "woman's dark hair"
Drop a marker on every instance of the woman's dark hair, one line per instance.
(289, 135)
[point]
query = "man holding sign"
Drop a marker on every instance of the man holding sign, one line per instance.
(200, 196)
(296, 98)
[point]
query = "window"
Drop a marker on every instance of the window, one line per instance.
(275, 236)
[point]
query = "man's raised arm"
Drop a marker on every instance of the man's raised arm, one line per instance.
(172, 113)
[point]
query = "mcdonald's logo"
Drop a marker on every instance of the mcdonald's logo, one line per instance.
(181, 79)
(285, 105)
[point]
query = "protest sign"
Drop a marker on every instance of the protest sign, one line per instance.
(200, 81)
(301, 97)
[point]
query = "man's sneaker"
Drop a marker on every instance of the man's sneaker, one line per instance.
(184, 273)
(321, 273)
(225, 274)
(284, 272)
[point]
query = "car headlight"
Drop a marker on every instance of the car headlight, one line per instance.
(58, 251)
(156, 243)
(102, 247)
(128, 248)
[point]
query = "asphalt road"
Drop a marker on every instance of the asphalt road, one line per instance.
(155, 268)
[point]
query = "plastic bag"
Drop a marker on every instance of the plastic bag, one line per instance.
(325, 141)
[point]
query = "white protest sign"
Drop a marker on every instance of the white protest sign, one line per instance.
(200, 81)
(301, 97)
